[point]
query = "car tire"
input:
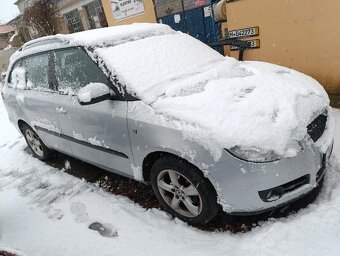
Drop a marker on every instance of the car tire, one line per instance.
(183, 191)
(36, 145)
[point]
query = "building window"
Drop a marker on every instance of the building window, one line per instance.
(73, 21)
(95, 14)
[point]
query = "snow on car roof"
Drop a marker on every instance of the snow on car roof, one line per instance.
(219, 102)
(115, 35)
(94, 38)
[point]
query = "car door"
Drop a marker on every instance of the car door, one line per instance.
(98, 132)
(37, 100)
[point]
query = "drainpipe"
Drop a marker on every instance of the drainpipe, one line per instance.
(213, 18)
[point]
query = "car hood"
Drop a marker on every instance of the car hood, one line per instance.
(257, 105)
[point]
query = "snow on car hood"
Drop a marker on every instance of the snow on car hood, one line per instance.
(218, 101)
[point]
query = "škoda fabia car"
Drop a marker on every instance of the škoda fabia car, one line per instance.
(206, 131)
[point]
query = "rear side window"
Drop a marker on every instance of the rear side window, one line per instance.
(17, 77)
(37, 71)
(75, 69)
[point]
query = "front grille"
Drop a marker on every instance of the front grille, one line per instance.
(316, 128)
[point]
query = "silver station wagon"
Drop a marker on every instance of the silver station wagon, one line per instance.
(206, 131)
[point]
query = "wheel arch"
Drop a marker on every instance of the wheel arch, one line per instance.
(152, 157)
(196, 177)
(149, 160)
(21, 124)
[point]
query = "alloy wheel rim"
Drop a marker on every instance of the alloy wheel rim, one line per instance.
(179, 193)
(34, 143)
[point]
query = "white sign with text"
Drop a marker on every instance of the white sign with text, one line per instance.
(123, 9)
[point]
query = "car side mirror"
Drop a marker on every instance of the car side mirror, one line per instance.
(94, 93)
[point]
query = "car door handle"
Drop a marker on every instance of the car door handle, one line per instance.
(61, 110)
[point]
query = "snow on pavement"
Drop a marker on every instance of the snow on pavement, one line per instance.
(44, 211)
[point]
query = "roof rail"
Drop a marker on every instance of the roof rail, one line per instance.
(41, 41)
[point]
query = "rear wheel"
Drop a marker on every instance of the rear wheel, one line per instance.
(183, 191)
(38, 148)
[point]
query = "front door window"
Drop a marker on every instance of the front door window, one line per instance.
(75, 69)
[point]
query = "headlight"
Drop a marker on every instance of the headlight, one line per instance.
(254, 154)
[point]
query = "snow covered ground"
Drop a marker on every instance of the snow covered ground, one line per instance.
(44, 211)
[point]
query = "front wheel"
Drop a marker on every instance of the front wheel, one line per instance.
(38, 148)
(183, 191)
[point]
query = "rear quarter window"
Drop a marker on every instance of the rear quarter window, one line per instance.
(31, 73)
(37, 71)
(17, 76)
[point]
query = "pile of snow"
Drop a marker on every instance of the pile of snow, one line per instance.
(44, 211)
(115, 35)
(92, 91)
(219, 101)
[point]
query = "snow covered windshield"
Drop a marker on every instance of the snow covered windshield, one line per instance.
(148, 66)
(218, 101)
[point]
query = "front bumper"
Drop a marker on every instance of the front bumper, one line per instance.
(244, 187)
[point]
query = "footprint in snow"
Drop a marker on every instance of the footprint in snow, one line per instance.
(55, 214)
(14, 144)
(79, 210)
(104, 229)
(3, 145)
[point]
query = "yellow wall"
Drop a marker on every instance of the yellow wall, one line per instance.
(224, 26)
(301, 34)
(147, 16)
